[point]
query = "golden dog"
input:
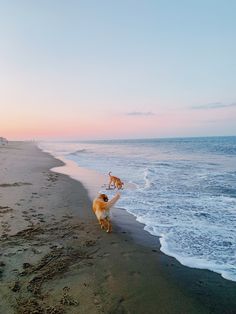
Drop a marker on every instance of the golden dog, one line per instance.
(115, 181)
(101, 208)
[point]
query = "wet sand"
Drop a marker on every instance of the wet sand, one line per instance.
(55, 259)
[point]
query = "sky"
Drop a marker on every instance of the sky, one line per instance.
(104, 69)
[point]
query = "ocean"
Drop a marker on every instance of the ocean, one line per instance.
(182, 189)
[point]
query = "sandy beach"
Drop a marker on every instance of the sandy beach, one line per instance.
(55, 259)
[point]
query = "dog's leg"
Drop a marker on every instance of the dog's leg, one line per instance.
(109, 229)
(106, 224)
(102, 223)
(114, 184)
(109, 185)
(110, 182)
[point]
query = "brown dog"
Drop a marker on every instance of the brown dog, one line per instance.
(115, 181)
(101, 208)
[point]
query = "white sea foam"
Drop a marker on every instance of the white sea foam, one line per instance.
(184, 192)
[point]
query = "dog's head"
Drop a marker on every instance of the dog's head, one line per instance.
(120, 184)
(104, 197)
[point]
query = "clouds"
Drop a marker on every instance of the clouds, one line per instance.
(139, 113)
(214, 105)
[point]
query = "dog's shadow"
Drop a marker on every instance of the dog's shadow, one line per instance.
(110, 188)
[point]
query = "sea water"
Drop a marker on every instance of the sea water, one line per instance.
(185, 192)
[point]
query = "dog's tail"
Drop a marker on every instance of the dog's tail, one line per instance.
(109, 173)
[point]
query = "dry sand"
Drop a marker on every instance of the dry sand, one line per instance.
(55, 259)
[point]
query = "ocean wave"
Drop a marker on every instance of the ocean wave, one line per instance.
(227, 271)
(187, 197)
(79, 151)
(163, 164)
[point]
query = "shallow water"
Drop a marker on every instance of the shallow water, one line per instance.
(185, 192)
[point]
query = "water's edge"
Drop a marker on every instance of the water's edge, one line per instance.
(92, 181)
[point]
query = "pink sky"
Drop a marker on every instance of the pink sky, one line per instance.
(82, 74)
(73, 125)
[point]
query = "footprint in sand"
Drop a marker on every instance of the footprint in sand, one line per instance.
(108, 277)
(68, 300)
(6, 185)
(114, 243)
(16, 286)
(35, 251)
(126, 254)
(134, 273)
(5, 209)
(104, 255)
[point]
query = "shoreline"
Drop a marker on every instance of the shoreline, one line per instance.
(88, 177)
(99, 273)
(126, 222)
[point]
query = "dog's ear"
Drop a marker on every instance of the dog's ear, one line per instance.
(101, 196)
(104, 197)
